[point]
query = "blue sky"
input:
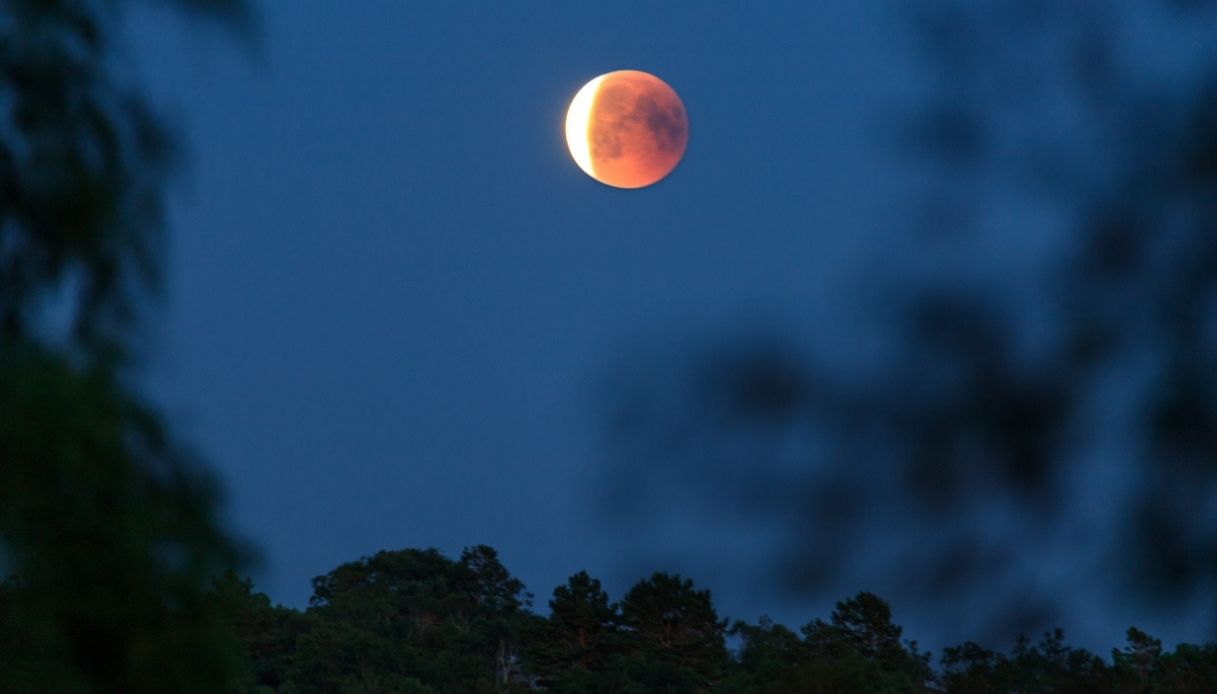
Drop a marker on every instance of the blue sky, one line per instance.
(392, 292)
(394, 299)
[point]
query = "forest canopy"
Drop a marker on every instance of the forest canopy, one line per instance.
(416, 621)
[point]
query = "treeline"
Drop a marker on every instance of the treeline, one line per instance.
(416, 622)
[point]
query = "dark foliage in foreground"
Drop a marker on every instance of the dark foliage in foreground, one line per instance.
(109, 529)
(416, 621)
(1040, 322)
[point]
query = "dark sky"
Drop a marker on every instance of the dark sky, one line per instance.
(394, 299)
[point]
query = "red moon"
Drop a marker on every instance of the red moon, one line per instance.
(627, 129)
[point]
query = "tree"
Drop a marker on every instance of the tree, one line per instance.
(416, 614)
(492, 586)
(862, 623)
(1135, 666)
(333, 656)
(861, 641)
(674, 638)
(974, 669)
(358, 637)
(498, 598)
(768, 653)
(584, 622)
(267, 634)
(407, 594)
(82, 173)
(1188, 669)
(578, 640)
(1051, 665)
(108, 527)
(107, 522)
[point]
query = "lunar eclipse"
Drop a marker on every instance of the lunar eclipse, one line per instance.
(627, 129)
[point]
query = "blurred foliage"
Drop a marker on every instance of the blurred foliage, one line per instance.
(108, 531)
(413, 621)
(83, 165)
(1067, 384)
(108, 538)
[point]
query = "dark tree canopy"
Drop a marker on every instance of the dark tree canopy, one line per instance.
(414, 615)
(582, 634)
(663, 636)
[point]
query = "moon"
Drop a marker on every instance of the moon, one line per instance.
(627, 129)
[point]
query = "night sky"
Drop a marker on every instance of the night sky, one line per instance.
(394, 300)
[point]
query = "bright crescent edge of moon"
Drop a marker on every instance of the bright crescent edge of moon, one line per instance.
(577, 117)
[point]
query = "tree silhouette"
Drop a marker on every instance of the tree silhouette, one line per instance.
(413, 616)
(108, 538)
(581, 636)
(664, 636)
(673, 635)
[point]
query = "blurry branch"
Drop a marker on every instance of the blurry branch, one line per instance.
(108, 533)
(83, 165)
(1000, 408)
